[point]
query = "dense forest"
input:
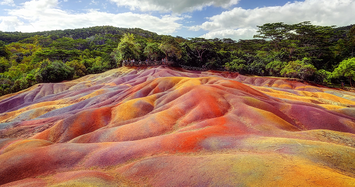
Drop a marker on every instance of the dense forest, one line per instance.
(319, 54)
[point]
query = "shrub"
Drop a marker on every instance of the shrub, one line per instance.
(299, 69)
(56, 71)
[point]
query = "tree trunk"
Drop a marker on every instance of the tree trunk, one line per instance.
(351, 85)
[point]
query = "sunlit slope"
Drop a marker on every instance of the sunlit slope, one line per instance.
(171, 127)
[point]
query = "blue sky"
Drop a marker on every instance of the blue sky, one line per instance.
(236, 19)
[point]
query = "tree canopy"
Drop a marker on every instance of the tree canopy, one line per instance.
(127, 49)
(322, 54)
(346, 68)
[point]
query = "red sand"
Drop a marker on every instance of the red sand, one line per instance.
(167, 127)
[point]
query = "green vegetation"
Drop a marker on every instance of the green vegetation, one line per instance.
(346, 68)
(299, 69)
(55, 71)
(322, 54)
(127, 49)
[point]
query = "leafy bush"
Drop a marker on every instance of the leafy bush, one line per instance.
(275, 67)
(19, 85)
(346, 68)
(4, 51)
(79, 68)
(323, 76)
(299, 69)
(4, 65)
(153, 52)
(56, 71)
(236, 65)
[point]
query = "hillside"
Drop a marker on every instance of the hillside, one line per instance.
(319, 54)
(80, 33)
(164, 126)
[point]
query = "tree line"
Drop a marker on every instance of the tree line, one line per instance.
(322, 54)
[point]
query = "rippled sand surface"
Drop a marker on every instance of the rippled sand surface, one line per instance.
(171, 127)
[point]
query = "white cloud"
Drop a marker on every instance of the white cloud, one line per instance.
(7, 2)
(40, 15)
(176, 6)
(9, 23)
(94, 2)
(244, 33)
(319, 12)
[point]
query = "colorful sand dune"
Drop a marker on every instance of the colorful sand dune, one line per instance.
(171, 127)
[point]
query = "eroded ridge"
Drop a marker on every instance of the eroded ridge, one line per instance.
(172, 127)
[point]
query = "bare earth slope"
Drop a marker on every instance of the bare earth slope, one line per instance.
(169, 127)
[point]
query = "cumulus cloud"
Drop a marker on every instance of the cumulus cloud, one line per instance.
(39, 15)
(319, 12)
(174, 6)
(244, 33)
(7, 2)
(9, 23)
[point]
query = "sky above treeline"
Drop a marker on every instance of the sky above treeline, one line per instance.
(236, 19)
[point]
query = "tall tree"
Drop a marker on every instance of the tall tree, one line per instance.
(351, 36)
(152, 51)
(170, 47)
(200, 47)
(127, 49)
(276, 32)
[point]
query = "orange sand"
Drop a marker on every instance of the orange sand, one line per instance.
(167, 127)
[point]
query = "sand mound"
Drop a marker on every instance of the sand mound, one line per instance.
(170, 127)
